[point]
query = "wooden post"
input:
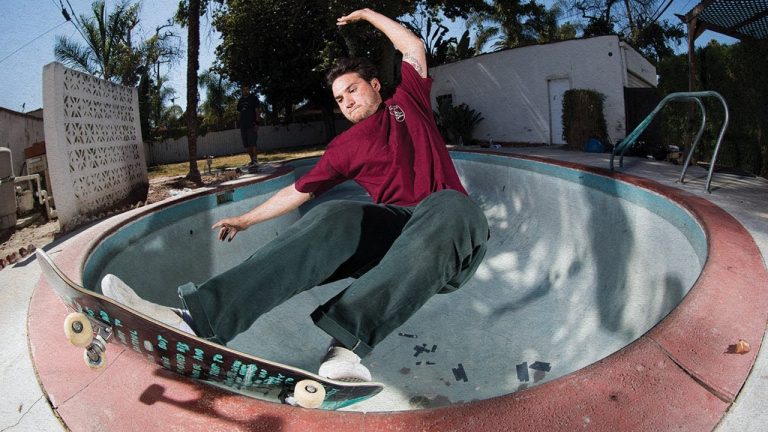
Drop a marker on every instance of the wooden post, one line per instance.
(692, 54)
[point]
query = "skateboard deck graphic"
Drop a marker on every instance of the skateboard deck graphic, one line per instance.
(96, 320)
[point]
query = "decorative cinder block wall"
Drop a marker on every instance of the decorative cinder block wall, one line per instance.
(93, 143)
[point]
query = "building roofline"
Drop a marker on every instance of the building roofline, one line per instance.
(21, 114)
(617, 37)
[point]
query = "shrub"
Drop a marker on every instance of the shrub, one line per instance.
(583, 117)
(456, 122)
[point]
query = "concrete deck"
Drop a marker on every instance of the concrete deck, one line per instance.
(745, 199)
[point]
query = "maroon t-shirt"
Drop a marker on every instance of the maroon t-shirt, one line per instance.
(397, 155)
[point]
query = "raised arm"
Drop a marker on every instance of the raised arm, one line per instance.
(403, 39)
(282, 202)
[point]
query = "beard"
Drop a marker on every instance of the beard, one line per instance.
(361, 113)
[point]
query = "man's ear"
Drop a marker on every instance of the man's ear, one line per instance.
(376, 84)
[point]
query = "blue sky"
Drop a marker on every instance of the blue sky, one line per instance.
(29, 28)
(21, 74)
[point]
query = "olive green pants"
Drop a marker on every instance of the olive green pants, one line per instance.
(400, 257)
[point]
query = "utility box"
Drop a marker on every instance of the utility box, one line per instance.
(7, 190)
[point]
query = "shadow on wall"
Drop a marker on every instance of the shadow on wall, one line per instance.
(620, 264)
(564, 263)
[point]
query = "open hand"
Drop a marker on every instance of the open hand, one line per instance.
(228, 228)
(352, 17)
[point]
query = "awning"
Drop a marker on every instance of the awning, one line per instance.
(741, 19)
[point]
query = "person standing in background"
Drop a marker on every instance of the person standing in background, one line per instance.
(248, 107)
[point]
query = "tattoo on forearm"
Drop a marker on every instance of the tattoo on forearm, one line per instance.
(410, 59)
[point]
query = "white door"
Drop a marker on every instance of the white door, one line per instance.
(556, 87)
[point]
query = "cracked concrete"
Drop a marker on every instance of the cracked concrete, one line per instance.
(21, 423)
(23, 407)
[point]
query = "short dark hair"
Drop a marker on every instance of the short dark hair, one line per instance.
(362, 66)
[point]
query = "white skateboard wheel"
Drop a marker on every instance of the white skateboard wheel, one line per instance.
(78, 329)
(309, 394)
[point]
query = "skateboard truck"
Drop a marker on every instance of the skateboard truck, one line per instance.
(79, 330)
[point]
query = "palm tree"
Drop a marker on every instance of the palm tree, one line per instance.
(159, 98)
(107, 52)
(160, 49)
(193, 64)
(218, 98)
(514, 23)
(110, 53)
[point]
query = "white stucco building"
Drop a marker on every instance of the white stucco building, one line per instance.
(519, 91)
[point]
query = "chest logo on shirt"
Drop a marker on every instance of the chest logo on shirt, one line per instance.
(397, 112)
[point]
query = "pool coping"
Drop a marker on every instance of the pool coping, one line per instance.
(678, 375)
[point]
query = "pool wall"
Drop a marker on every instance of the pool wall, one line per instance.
(578, 266)
(181, 233)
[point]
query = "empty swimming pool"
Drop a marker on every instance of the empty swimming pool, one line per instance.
(579, 265)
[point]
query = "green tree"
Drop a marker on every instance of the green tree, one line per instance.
(161, 49)
(111, 53)
(636, 21)
(281, 48)
(729, 70)
(220, 106)
(431, 30)
(160, 96)
(275, 47)
(108, 52)
(513, 23)
(427, 24)
(460, 49)
(453, 9)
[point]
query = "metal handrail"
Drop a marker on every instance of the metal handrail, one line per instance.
(631, 139)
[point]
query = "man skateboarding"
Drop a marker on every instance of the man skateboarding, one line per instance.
(422, 235)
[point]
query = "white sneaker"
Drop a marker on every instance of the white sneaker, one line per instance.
(114, 288)
(343, 365)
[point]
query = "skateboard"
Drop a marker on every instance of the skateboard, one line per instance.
(96, 320)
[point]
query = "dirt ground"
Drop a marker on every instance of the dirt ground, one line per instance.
(41, 232)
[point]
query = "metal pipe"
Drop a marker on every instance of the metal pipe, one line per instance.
(42, 194)
(719, 139)
(660, 106)
(695, 140)
(630, 139)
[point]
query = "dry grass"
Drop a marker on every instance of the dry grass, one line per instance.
(224, 162)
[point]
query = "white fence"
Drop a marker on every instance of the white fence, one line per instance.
(93, 144)
(229, 142)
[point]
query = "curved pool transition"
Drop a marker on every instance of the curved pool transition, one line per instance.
(602, 295)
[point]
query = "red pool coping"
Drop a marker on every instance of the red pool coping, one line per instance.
(679, 375)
